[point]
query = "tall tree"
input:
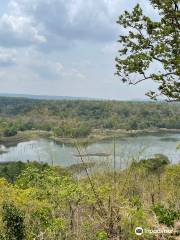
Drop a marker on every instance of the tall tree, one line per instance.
(150, 44)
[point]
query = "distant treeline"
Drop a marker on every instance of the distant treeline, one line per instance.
(77, 118)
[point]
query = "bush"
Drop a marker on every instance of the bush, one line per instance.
(81, 130)
(165, 215)
(14, 222)
(11, 170)
(10, 132)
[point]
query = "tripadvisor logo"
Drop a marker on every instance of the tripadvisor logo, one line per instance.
(139, 231)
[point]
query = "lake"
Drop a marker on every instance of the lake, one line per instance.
(126, 149)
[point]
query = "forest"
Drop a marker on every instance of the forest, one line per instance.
(77, 118)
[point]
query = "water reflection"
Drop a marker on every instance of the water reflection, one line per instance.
(126, 149)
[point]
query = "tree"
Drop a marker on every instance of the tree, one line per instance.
(148, 43)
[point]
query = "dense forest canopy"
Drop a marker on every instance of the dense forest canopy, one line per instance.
(78, 117)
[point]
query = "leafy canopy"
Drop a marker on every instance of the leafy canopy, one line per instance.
(151, 44)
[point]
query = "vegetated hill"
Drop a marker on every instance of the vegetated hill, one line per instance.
(70, 116)
(39, 200)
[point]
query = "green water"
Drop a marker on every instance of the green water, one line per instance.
(126, 149)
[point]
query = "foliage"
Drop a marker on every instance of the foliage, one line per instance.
(178, 146)
(73, 130)
(154, 164)
(10, 132)
(51, 204)
(11, 170)
(102, 235)
(165, 215)
(78, 119)
(150, 42)
(14, 222)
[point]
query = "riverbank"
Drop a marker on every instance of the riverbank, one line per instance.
(96, 135)
(23, 137)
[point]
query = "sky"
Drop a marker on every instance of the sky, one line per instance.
(64, 48)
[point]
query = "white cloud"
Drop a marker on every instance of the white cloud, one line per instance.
(61, 47)
(68, 20)
(74, 74)
(7, 57)
(59, 67)
(62, 22)
(110, 48)
(19, 30)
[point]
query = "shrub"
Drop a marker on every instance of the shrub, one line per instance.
(10, 132)
(165, 215)
(14, 222)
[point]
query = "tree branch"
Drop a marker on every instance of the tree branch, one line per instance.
(150, 77)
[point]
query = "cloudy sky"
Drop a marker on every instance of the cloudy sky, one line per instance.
(63, 48)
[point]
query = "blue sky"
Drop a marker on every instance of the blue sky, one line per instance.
(63, 47)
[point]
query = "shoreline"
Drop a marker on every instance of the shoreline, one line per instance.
(110, 134)
(97, 135)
